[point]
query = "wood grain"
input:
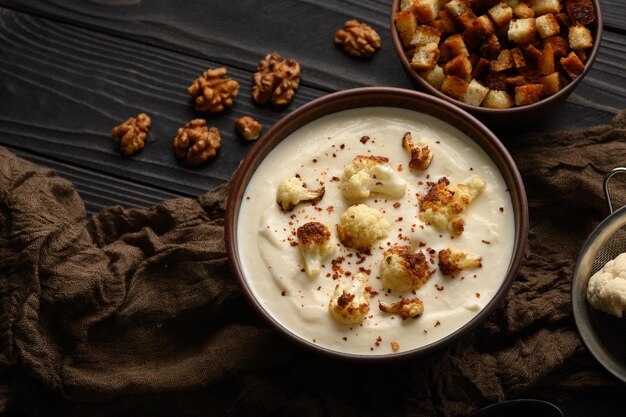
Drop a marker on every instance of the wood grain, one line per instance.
(63, 88)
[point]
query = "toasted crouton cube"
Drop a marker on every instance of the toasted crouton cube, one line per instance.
(454, 87)
(523, 11)
(515, 80)
(475, 93)
(518, 58)
(504, 61)
(425, 34)
(545, 65)
(581, 55)
(407, 37)
(434, 77)
(497, 99)
(496, 81)
(491, 47)
(528, 94)
(547, 26)
(444, 23)
(551, 83)
(405, 21)
(455, 7)
(425, 57)
(481, 27)
(511, 3)
(522, 31)
(559, 45)
(564, 21)
(533, 55)
(572, 65)
(542, 7)
(501, 14)
(425, 10)
(410, 52)
(480, 69)
(580, 38)
(581, 13)
(459, 66)
(455, 45)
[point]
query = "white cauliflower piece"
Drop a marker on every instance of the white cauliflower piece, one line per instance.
(314, 243)
(292, 192)
(606, 289)
(452, 262)
(404, 308)
(421, 155)
(442, 206)
(350, 303)
(360, 226)
(371, 174)
(403, 270)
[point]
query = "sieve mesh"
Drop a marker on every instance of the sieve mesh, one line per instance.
(610, 330)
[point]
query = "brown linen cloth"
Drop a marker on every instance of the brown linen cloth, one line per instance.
(134, 311)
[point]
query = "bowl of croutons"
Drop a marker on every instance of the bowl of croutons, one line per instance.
(504, 61)
(376, 223)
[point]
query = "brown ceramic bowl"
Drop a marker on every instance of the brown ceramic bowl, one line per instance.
(500, 118)
(375, 97)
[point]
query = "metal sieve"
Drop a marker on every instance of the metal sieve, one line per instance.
(603, 334)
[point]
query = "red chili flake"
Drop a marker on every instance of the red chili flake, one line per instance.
(477, 295)
(328, 275)
(348, 273)
(335, 179)
(342, 146)
(486, 242)
(396, 205)
(315, 161)
(432, 251)
(345, 339)
(302, 270)
(400, 167)
(438, 323)
(283, 293)
(439, 287)
(399, 219)
(471, 169)
(293, 244)
(365, 271)
(298, 176)
(364, 139)
(421, 244)
(248, 198)
(395, 346)
(501, 209)
(425, 331)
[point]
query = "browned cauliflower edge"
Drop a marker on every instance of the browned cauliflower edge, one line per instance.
(452, 262)
(403, 270)
(314, 243)
(405, 308)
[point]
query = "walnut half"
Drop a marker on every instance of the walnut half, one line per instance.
(212, 92)
(275, 79)
(196, 143)
(248, 128)
(358, 39)
(132, 133)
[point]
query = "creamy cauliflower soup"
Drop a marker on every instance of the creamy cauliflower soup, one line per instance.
(302, 297)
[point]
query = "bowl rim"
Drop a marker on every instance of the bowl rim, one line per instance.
(483, 111)
(268, 141)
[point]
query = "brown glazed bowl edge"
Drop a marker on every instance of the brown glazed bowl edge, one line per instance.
(373, 97)
(501, 118)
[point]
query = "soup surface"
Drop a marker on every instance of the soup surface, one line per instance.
(317, 153)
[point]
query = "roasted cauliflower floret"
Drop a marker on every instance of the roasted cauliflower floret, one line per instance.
(371, 174)
(606, 290)
(452, 262)
(443, 205)
(404, 308)
(403, 270)
(360, 226)
(292, 192)
(350, 303)
(314, 243)
(421, 155)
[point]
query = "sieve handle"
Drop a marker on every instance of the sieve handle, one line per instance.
(607, 177)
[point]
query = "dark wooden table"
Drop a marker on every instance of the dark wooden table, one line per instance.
(70, 70)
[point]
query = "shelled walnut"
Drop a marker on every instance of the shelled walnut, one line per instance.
(212, 92)
(275, 79)
(248, 128)
(132, 133)
(196, 143)
(358, 39)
